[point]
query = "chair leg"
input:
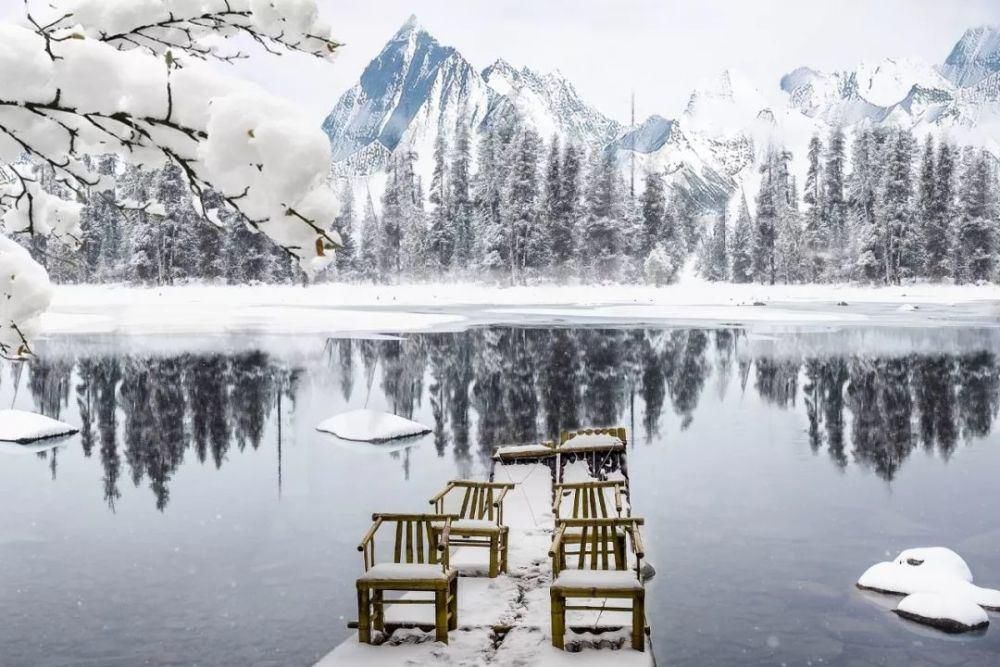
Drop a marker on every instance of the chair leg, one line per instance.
(441, 615)
(639, 621)
(453, 604)
(494, 555)
(364, 616)
(504, 538)
(378, 610)
(558, 620)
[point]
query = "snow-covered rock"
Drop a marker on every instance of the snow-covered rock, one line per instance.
(371, 426)
(21, 426)
(941, 582)
(951, 613)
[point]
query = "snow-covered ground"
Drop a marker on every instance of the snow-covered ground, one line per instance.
(352, 309)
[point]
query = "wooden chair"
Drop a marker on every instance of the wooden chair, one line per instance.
(602, 571)
(419, 563)
(479, 521)
(591, 500)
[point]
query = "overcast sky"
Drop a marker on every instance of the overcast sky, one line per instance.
(661, 49)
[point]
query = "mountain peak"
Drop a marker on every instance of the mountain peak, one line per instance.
(975, 56)
(409, 27)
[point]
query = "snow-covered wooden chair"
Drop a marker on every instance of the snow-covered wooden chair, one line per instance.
(598, 571)
(479, 521)
(590, 500)
(419, 563)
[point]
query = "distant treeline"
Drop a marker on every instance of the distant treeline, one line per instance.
(890, 209)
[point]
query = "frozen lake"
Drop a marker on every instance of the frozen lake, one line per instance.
(200, 518)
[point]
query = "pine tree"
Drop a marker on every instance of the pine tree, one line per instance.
(765, 230)
(717, 260)
(601, 242)
(834, 201)
(563, 232)
(346, 259)
(369, 238)
(977, 224)
(440, 238)
(741, 247)
(527, 248)
(899, 238)
(816, 230)
(940, 226)
(460, 198)
(551, 202)
(654, 211)
(866, 249)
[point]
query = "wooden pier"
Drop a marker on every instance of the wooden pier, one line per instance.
(577, 490)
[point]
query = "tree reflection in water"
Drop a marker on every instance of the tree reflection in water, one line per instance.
(490, 386)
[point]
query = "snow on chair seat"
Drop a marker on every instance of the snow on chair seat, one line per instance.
(596, 580)
(403, 571)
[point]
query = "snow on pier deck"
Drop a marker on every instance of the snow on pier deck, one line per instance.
(506, 620)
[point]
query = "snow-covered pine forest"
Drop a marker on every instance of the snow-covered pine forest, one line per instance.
(883, 206)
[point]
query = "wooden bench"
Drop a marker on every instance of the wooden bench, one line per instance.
(479, 521)
(420, 563)
(602, 571)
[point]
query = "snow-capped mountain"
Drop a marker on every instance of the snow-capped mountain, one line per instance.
(975, 56)
(416, 89)
(550, 103)
(413, 90)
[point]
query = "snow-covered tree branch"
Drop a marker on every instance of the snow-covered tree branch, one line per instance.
(129, 77)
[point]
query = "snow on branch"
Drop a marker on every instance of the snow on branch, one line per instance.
(125, 77)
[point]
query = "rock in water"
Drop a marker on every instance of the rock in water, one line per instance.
(938, 587)
(371, 426)
(945, 612)
(22, 427)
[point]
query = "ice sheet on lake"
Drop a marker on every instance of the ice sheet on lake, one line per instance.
(371, 426)
(21, 426)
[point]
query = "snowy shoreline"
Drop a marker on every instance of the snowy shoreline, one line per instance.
(353, 309)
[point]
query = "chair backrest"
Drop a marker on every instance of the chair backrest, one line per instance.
(417, 539)
(599, 546)
(590, 500)
(614, 431)
(480, 500)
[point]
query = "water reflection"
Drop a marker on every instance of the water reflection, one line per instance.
(143, 415)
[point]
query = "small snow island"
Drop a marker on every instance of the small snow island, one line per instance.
(937, 583)
(371, 426)
(24, 427)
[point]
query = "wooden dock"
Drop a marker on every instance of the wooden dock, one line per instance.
(506, 620)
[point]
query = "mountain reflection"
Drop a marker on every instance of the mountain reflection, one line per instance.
(142, 416)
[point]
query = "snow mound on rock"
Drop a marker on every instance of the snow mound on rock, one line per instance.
(950, 613)
(371, 426)
(940, 582)
(21, 426)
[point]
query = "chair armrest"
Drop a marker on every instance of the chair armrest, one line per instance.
(637, 545)
(370, 534)
(442, 493)
(555, 550)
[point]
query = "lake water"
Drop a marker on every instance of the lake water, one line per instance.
(199, 517)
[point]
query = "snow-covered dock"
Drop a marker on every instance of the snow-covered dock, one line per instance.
(506, 620)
